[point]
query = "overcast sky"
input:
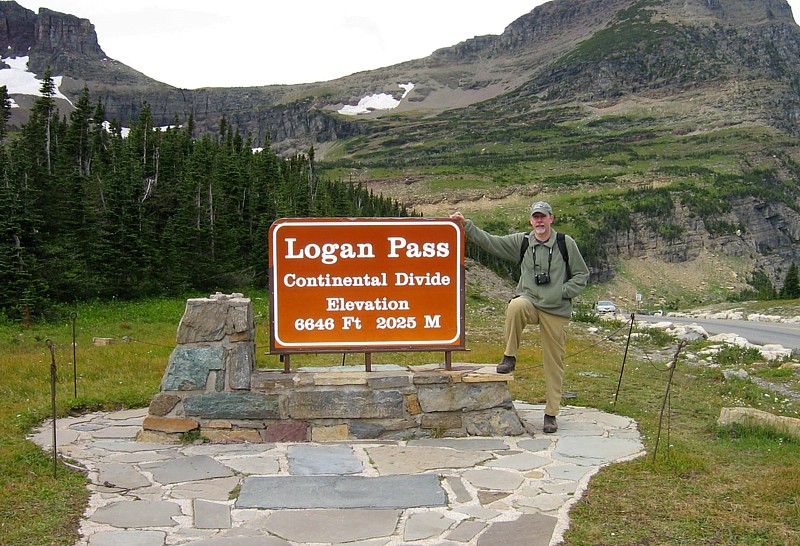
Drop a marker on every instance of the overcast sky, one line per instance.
(227, 43)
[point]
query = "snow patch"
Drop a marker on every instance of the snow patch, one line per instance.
(378, 101)
(20, 81)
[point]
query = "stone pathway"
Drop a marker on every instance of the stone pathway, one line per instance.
(454, 491)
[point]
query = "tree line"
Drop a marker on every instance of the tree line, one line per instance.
(89, 210)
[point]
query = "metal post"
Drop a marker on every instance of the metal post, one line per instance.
(74, 317)
(624, 358)
(52, 348)
(666, 396)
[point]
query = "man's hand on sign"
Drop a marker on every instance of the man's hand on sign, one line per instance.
(458, 218)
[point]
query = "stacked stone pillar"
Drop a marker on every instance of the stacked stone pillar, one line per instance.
(212, 363)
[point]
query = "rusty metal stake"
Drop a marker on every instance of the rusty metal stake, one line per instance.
(52, 348)
(74, 317)
(672, 366)
(624, 358)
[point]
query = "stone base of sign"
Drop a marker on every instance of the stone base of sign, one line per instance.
(211, 388)
(329, 404)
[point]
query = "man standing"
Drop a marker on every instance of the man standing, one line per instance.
(552, 273)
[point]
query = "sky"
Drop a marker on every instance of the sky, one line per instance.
(236, 43)
(233, 43)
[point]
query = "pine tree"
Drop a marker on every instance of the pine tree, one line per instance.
(791, 285)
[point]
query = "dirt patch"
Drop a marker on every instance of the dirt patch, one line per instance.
(710, 277)
(482, 280)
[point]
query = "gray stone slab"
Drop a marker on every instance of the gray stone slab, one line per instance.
(493, 422)
(240, 365)
(463, 444)
(593, 451)
(466, 531)
(461, 493)
(423, 525)
(253, 465)
(535, 444)
(188, 367)
(332, 526)
(410, 459)
(88, 427)
(187, 469)
(541, 503)
(224, 450)
(124, 476)
(615, 421)
(572, 472)
(44, 438)
(349, 368)
(577, 428)
(464, 396)
(310, 460)
(478, 512)
(347, 404)
(274, 492)
(142, 457)
(627, 433)
(131, 447)
(118, 421)
(216, 489)
(127, 432)
(137, 514)
(128, 538)
(498, 480)
(559, 488)
(233, 405)
(527, 530)
(383, 380)
(126, 414)
(522, 461)
(211, 515)
(262, 540)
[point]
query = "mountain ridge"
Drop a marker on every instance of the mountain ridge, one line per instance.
(539, 52)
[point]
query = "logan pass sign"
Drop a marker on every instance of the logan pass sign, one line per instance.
(366, 285)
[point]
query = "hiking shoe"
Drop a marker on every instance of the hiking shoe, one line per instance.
(507, 365)
(550, 425)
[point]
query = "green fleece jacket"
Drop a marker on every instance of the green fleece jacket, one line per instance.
(554, 297)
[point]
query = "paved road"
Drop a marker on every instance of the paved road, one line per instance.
(758, 333)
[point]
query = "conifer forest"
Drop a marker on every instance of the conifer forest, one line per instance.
(91, 211)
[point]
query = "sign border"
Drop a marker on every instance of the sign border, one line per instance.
(457, 342)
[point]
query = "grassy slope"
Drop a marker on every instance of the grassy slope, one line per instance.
(709, 487)
(590, 162)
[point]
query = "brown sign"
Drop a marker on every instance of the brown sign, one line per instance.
(339, 284)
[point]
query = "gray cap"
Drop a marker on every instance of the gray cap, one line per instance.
(541, 206)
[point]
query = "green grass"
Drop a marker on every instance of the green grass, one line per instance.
(706, 485)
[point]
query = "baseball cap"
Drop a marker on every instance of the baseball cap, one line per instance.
(541, 206)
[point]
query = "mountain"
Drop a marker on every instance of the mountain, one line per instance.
(663, 129)
(562, 51)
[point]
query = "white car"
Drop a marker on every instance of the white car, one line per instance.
(603, 306)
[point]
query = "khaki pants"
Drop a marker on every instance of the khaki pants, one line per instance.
(521, 312)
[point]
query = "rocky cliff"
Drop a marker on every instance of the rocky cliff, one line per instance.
(768, 238)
